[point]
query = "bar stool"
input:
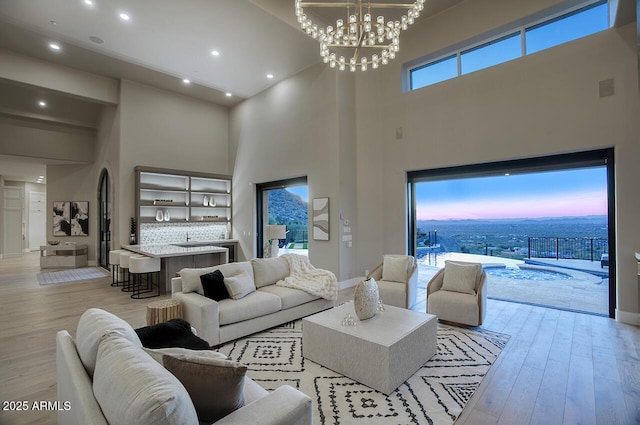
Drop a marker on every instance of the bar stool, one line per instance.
(124, 267)
(114, 262)
(139, 265)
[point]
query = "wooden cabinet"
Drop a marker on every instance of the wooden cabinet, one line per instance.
(173, 196)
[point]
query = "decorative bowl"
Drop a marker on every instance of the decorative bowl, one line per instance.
(53, 242)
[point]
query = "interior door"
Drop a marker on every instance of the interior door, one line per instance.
(13, 227)
(104, 245)
(37, 220)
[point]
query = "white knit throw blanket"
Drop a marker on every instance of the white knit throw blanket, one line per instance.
(303, 276)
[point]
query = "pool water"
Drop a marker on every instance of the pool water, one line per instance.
(526, 274)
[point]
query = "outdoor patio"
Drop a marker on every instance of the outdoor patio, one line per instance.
(583, 291)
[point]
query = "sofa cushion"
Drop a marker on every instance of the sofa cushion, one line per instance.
(461, 277)
(157, 353)
(290, 297)
(392, 293)
(191, 277)
(267, 271)
(454, 307)
(240, 285)
(213, 285)
(131, 388)
(214, 385)
(395, 268)
(256, 304)
(93, 324)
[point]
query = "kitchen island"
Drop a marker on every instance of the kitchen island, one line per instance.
(175, 257)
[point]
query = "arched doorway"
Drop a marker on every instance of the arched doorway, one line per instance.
(104, 202)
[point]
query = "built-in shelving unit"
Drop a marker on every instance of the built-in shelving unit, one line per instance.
(173, 196)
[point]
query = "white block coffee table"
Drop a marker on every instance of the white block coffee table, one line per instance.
(381, 352)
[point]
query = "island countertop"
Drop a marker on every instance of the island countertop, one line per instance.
(179, 249)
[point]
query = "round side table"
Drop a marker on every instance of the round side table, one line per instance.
(163, 310)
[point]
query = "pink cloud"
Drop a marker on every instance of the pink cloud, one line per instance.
(573, 204)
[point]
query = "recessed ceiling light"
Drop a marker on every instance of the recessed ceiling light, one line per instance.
(228, 94)
(215, 53)
(54, 46)
(53, 22)
(124, 16)
(269, 76)
(88, 2)
(42, 103)
(186, 80)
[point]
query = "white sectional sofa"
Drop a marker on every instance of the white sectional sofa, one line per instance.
(105, 377)
(268, 306)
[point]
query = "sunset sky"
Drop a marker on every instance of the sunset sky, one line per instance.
(550, 194)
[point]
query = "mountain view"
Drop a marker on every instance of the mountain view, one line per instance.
(289, 209)
(510, 237)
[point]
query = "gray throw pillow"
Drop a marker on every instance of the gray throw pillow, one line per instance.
(216, 386)
(239, 285)
(461, 277)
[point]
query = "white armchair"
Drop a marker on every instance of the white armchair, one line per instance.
(457, 293)
(397, 278)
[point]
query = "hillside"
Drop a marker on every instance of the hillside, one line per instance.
(286, 208)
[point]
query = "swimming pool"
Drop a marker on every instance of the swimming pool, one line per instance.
(526, 274)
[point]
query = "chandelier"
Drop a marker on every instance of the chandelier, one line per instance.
(358, 40)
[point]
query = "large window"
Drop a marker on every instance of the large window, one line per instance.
(534, 35)
(549, 214)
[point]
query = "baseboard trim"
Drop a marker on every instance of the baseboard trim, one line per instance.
(627, 317)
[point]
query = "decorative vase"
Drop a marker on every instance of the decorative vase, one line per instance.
(166, 215)
(365, 299)
(212, 202)
(159, 215)
(205, 201)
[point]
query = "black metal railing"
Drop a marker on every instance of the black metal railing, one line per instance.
(296, 236)
(568, 248)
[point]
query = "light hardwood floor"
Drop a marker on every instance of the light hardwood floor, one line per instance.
(558, 367)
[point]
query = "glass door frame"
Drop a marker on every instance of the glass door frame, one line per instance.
(261, 188)
(600, 157)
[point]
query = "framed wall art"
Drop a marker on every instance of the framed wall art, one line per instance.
(320, 219)
(61, 218)
(79, 218)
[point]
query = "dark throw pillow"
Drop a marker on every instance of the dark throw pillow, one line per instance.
(213, 285)
(173, 333)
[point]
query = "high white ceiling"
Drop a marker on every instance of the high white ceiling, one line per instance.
(163, 42)
(175, 38)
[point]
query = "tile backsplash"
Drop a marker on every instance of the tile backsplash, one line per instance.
(160, 233)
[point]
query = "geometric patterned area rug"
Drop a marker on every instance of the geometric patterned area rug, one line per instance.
(71, 275)
(435, 394)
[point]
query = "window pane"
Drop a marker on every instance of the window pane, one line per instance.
(567, 28)
(434, 72)
(493, 53)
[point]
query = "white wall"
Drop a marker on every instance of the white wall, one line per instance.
(542, 104)
(295, 129)
(162, 129)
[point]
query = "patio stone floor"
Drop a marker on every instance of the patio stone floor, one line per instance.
(584, 292)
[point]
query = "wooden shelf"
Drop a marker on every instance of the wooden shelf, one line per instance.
(187, 190)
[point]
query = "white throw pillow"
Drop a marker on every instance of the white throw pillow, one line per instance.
(267, 271)
(461, 277)
(395, 268)
(191, 279)
(131, 388)
(240, 285)
(92, 326)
